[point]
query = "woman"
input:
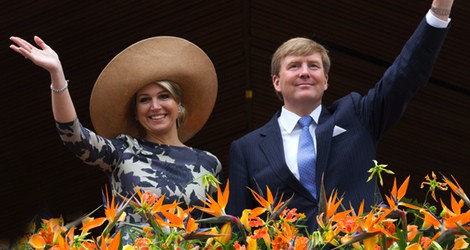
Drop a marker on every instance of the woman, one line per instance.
(149, 100)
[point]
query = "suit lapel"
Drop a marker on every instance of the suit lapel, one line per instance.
(323, 134)
(272, 147)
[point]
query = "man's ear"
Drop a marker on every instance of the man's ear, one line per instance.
(276, 84)
(326, 82)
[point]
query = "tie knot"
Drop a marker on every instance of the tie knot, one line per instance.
(305, 121)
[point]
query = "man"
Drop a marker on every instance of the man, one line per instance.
(344, 135)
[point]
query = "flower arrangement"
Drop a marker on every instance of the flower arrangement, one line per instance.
(397, 223)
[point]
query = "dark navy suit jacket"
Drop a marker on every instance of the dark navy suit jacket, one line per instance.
(257, 159)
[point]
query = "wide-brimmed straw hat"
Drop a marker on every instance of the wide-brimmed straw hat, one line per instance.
(144, 62)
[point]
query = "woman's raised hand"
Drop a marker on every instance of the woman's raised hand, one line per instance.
(42, 55)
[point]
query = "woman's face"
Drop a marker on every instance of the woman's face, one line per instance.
(156, 110)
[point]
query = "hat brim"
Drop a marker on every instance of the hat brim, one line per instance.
(147, 61)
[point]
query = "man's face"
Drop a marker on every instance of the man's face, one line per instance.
(301, 81)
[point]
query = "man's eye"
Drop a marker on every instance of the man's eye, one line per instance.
(293, 66)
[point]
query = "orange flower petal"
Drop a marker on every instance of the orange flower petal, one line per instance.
(37, 241)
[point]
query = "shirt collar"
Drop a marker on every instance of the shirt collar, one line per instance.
(288, 120)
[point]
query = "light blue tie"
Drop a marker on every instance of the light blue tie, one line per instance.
(306, 156)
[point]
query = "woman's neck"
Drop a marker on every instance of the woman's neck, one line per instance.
(171, 140)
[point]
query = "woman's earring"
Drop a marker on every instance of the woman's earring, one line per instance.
(180, 108)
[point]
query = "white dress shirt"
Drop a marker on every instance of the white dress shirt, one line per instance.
(290, 132)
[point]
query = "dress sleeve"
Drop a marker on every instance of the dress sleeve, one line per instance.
(91, 148)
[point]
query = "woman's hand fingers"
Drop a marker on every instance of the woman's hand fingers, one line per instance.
(21, 46)
(42, 55)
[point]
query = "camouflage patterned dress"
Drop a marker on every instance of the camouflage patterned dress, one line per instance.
(129, 162)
